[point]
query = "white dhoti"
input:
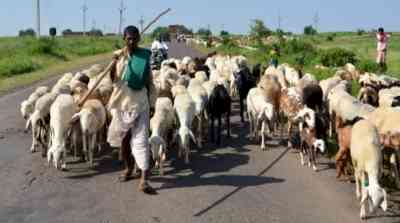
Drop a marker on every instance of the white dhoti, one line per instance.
(140, 141)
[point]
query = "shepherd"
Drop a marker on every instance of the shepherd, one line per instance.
(133, 96)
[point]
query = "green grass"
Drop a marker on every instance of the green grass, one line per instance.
(26, 60)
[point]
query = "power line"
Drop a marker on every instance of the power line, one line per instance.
(84, 9)
(38, 18)
(121, 14)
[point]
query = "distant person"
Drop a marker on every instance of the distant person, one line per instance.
(159, 45)
(382, 39)
(274, 54)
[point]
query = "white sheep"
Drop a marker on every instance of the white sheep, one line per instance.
(389, 97)
(366, 156)
(201, 76)
(200, 98)
(92, 119)
(38, 120)
(209, 86)
(28, 106)
(328, 84)
(161, 123)
(61, 112)
(185, 109)
(260, 110)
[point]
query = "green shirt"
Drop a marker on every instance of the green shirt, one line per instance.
(138, 69)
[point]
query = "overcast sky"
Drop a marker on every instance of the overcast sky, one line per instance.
(233, 15)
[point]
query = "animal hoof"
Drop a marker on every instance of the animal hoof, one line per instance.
(309, 165)
(64, 167)
(315, 168)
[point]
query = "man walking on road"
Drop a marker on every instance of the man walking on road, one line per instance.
(133, 95)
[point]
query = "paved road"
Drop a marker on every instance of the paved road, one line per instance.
(234, 183)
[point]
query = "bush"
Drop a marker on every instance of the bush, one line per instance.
(309, 30)
(367, 65)
(43, 46)
(360, 32)
(53, 31)
(336, 57)
(330, 38)
(16, 65)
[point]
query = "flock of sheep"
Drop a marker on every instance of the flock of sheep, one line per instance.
(192, 93)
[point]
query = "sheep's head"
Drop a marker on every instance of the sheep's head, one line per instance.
(306, 115)
(319, 144)
(26, 109)
(54, 154)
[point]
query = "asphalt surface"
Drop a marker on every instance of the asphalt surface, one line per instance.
(236, 182)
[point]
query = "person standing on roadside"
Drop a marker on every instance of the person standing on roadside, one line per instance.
(382, 44)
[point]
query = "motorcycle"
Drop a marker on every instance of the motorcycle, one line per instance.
(157, 57)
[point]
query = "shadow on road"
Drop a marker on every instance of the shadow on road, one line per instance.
(219, 201)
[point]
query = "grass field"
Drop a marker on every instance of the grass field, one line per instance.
(26, 60)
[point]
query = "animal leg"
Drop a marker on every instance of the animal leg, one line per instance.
(263, 136)
(394, 168)
(91, 148)
(219, 131)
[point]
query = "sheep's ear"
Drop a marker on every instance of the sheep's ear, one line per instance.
(75, 117)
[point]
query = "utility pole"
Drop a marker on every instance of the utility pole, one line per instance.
(316, 21)
(141, 22)
(84, 9)
(38, 19)
(121, 15)
(279, 20)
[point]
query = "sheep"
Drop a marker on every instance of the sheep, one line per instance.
(104, 88)
(243, 83)
(279, 74)
(366, 157)
(200, 98)
(290, 104)
(312, 95)
(368, 95)
(161, 124)
(28, 106)
(209, 86)
(38, 121)
(201, 76)
(305, 81)
(92, 119)
(219, 103)
(61, 112)
(355, 74)
(309, 135)
(185, 109)
(386, 120)
(259, 110)
(328, 84)
(272, 89)
(389, 97)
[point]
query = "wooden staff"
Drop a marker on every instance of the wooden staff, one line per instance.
(112, 63)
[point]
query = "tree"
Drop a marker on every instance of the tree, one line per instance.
(309, 30)
(258, 29)
(204, 33)
(53, 32)
(27, 32)
(160, 32)
(96, 32)
(224, 33)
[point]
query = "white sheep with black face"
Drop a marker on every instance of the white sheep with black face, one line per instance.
(366, 156)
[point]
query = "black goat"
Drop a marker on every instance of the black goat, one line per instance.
(219, 104)
(313, 97)
(244, 82)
